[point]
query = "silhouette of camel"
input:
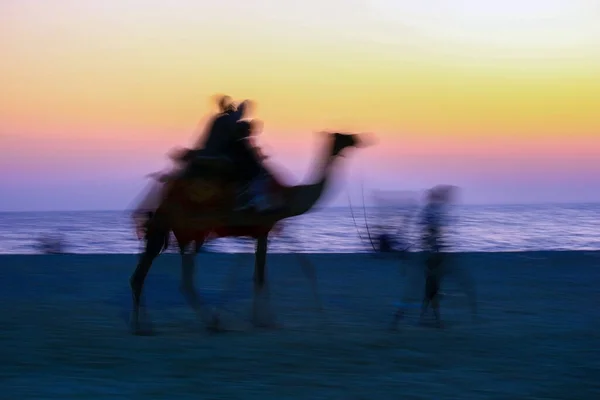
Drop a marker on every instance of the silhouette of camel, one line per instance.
(199, 203)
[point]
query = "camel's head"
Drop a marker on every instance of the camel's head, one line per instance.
(345, 140)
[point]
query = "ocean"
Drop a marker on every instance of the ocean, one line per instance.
(475, 228)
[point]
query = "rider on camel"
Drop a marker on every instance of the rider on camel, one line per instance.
(250, 171)
(229, 137)
(226, 139)
(221, 133)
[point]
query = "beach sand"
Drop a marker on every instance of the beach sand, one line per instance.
(63, 332)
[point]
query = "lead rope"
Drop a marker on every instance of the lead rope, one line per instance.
(362, 189)
(407, 247)
(365, 215)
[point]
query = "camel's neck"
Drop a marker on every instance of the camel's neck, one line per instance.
(303, 197)
(322, 167)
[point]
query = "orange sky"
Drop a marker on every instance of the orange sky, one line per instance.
(111, 87)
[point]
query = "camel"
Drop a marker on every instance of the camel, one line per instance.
(198, 204)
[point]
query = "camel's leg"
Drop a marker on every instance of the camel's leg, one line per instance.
(261, 302)
(187, 287)
(154, 244)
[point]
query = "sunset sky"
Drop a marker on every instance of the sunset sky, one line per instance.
(501, 98)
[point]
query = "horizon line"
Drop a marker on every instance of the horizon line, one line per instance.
(124, 210)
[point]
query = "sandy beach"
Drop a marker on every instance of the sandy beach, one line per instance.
(64, 333)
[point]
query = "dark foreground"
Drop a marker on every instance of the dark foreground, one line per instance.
(63, 332)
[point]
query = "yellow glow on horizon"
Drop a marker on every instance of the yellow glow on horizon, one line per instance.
(472, 70)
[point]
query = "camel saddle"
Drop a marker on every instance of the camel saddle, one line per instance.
(209, 185)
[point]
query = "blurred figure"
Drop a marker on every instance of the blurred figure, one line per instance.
(398, 211)
(217, 142)
(434, 223)
(389, 240)
(51, 244)
(252, 175)
(218, 137)
(384, 243)
(221, 133)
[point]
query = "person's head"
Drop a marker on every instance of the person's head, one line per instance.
(226, 104)
(245, 108)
